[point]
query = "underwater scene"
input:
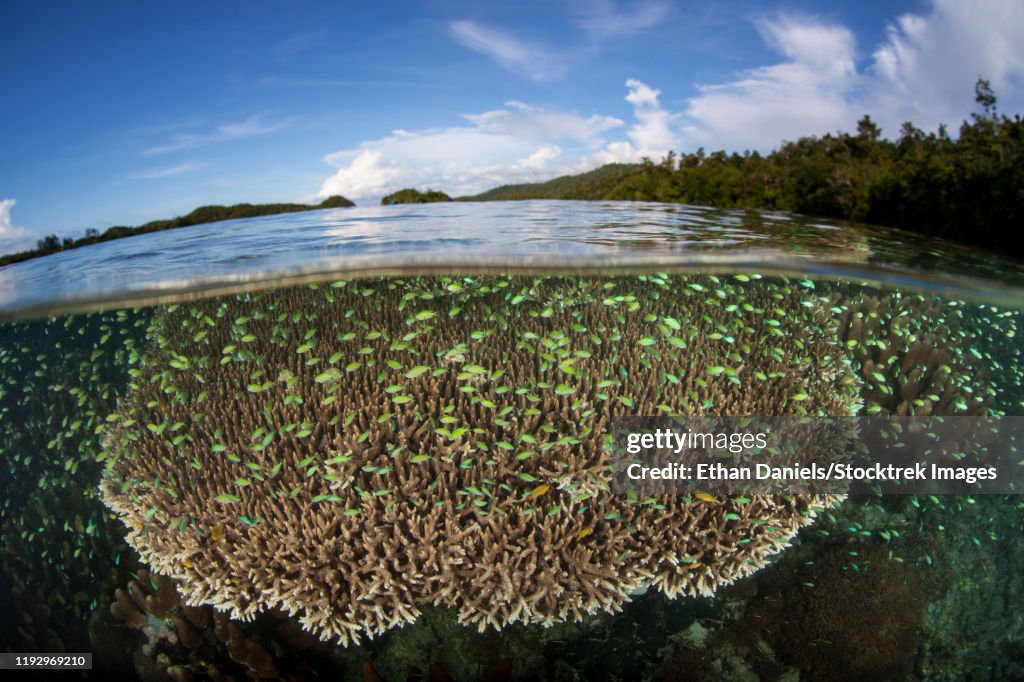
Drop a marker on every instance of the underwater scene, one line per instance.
(377, 447)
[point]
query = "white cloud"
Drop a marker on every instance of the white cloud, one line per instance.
(926, 69)
(455, 160)
(539, 159)
(924, 72)
(809, 94)
(157, 173)
(603, 19)
(364, 176)
(829, 48)
(515, 55)
(517, 143)
(523, 120)
(652, 134)
(12, 237)
(256, 124)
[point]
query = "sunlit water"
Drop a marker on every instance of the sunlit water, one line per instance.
(382, 428)
(535, 236)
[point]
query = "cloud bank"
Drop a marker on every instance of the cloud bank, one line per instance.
(517, 143)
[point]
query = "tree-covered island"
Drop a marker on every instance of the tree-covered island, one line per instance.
(414, 196)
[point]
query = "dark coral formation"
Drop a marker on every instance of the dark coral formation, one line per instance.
(191, 641)
(850, 615)
(353, 452)
(846, 614)
(33, 620)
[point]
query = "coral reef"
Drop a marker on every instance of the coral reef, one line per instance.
(353, 452)
(850, 615)
(536, 346)
(186, 641)
(33, 618)
(848, 611)
(913, 355)
(974, 629)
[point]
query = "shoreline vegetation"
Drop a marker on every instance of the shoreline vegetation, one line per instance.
(968, 190)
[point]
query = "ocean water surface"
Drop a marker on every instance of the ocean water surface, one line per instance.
(372, 443)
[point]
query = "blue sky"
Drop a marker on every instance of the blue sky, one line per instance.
(116, 113)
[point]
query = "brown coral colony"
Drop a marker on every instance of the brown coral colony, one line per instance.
(355, 451)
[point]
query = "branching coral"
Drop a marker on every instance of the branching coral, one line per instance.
(208, 642)
(912, 355)
(353, 452)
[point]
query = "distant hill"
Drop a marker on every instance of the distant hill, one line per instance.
(203, 214)
(589, 185)
(414, 196)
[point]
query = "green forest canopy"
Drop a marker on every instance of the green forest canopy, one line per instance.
(414, 196)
